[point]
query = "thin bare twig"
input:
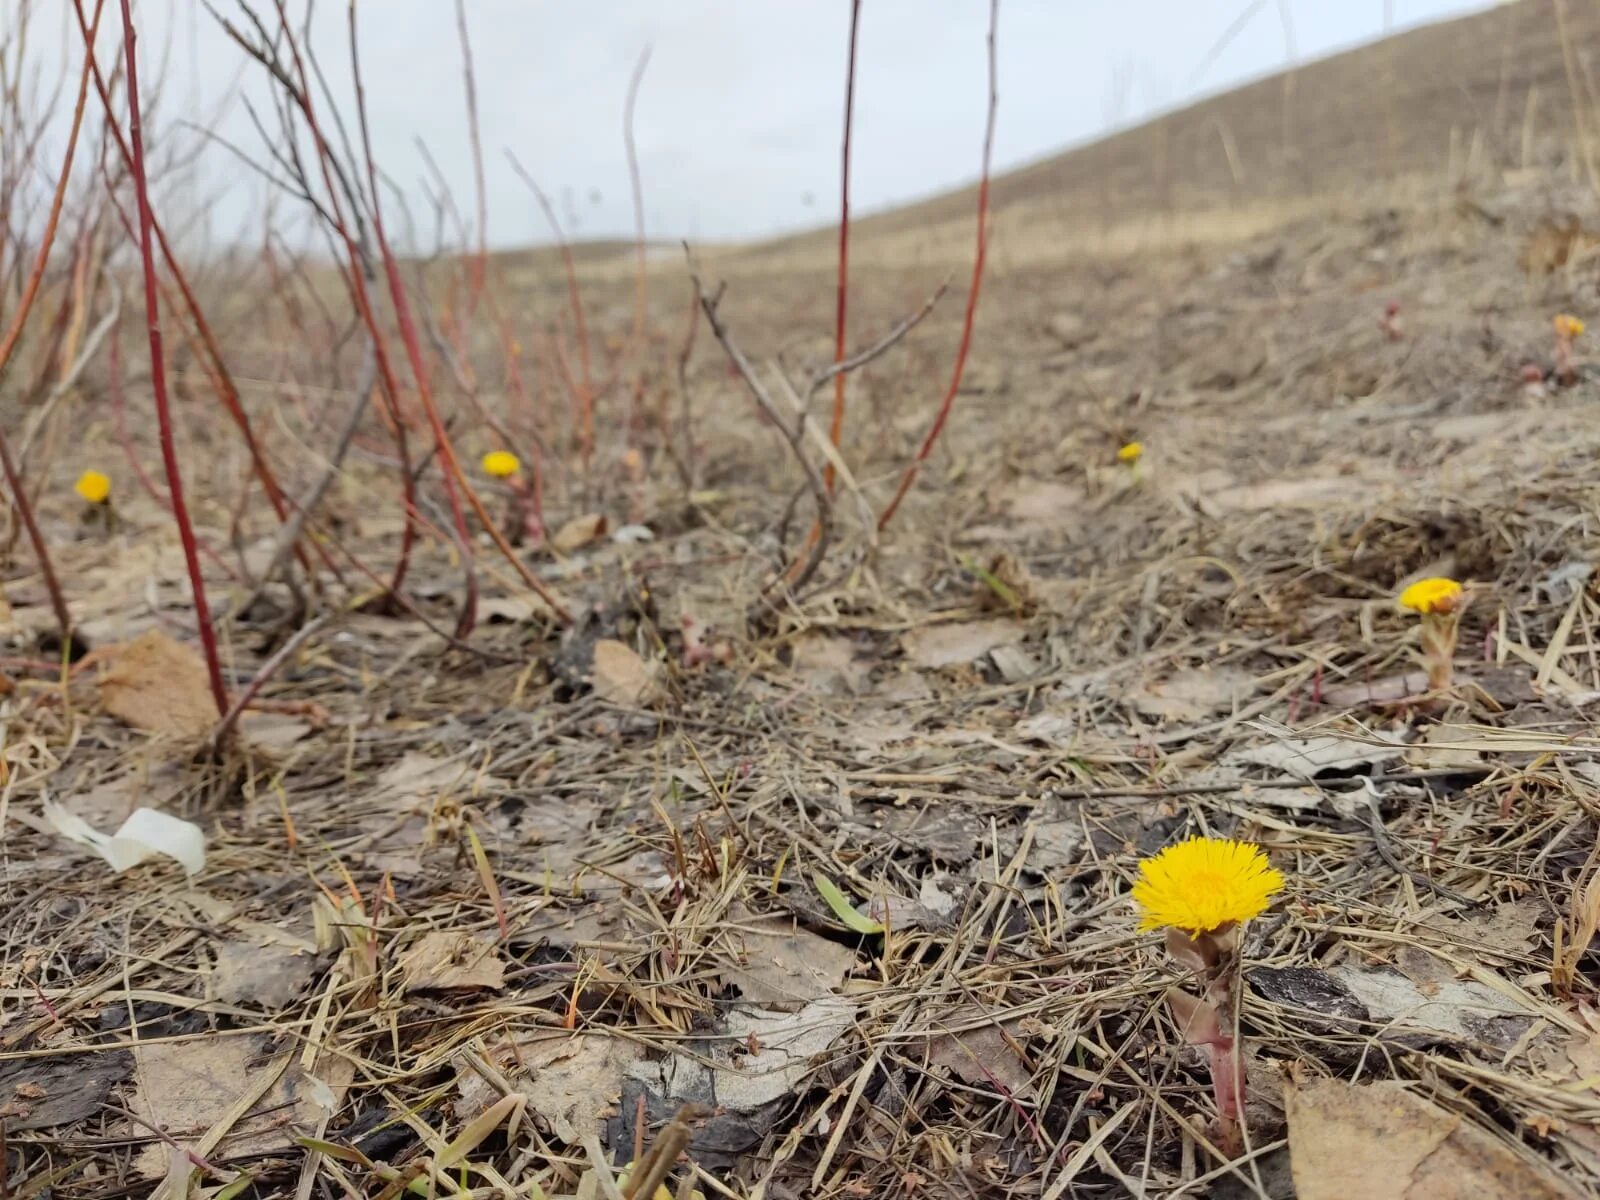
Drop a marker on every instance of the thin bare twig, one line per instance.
(817, 546)
(687, 463)
(268, 669)
(91, 347)
(879, 348)
(289, 534)
(585, 389)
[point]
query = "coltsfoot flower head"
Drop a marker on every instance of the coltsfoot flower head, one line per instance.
(1568, 326)
(94, 487)
(1131, 453)
(1204, 884)
(1435, 595)
(501, 464)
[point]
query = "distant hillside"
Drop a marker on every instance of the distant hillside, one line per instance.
(1494, 91)
(1492, 87)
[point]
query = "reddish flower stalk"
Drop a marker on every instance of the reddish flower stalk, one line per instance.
(978, 261)
(158, 376)
(1209, 1023)
(8, 346)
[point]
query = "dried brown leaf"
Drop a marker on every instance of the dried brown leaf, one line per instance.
(1192, 695)
(1432, 752)
(452, 962)
(787, 1044)
(782, 964)
(186, 1087)
(1308, 492)
(570, 1083)
(271, 732)
(1042, 502)
(986, 1057)
(1306, 758)
(578, 533)
(620, 676)
(265, 976)
(934, 646)
(1381, 1142)
(160, 686)
(830, 663)
(1509, 929)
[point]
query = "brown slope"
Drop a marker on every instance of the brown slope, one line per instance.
(1393, 109)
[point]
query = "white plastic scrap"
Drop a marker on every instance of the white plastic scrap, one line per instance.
(632, 535)
(145, 833)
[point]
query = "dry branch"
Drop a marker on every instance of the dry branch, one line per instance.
(817, 546)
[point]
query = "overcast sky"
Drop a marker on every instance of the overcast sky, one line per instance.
(739, 115)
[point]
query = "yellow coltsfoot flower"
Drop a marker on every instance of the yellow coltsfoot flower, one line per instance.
(1131, 453)
(1435, 595)
(1203, 885)
(93, 487)
(1438, 601)
(501, 464)
(1568, 326)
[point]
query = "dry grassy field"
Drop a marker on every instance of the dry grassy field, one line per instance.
(785, 880)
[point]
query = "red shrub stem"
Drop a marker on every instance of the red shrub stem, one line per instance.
(221, 379)
(841, 302)
(979, 258)
(158, 376)
(8, 346)
(451, 471)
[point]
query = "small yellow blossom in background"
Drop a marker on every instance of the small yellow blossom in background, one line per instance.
(1568, 326)
(1204, 884)
(1131, 453)
(501, 464)
(94, 487)
(1436, 595)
